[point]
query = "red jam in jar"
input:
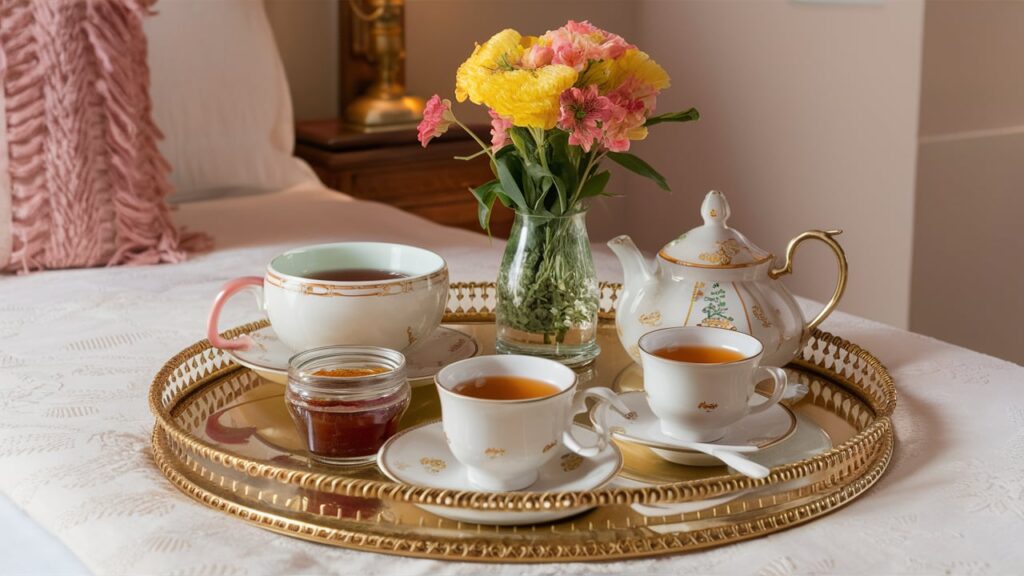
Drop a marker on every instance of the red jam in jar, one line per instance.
(346, 401)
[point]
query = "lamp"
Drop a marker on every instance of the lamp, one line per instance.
(379, 36)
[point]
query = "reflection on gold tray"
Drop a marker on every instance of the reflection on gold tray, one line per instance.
(223, 436)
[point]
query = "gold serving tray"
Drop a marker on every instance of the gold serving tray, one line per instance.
(223, 437)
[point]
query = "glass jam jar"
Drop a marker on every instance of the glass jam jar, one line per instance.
(346, 401)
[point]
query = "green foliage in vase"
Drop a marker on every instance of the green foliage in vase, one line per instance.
(546, 284)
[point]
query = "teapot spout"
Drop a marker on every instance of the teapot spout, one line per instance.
(634, 268)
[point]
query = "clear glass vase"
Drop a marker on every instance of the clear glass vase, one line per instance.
(547, 290)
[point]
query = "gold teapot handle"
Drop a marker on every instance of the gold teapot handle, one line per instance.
(826, 237)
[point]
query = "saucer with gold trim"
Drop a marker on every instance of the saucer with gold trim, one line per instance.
(420, 456)
(268, 356)
(760, 430)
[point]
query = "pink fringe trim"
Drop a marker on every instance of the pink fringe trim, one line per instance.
(87, 180)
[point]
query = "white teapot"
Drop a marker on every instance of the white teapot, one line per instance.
(713, 276)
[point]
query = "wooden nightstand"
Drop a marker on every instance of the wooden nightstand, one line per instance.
(393, 168)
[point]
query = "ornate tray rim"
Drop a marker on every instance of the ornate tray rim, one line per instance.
(481, 549)
(856, 450)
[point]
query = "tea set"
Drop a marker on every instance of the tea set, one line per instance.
(707, 324)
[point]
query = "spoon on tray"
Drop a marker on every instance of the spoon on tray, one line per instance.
(731, 455)
(640, 426)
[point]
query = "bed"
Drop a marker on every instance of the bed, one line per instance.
(78, 349)
(79, 493)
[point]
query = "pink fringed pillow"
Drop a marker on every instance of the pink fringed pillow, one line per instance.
(80, 173)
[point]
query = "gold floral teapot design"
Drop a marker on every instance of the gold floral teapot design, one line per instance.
(713, 276)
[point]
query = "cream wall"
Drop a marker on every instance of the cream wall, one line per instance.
(968, 278)
(809, 120)
(306, 32)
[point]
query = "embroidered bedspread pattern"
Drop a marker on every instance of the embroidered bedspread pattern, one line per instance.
(78, 350)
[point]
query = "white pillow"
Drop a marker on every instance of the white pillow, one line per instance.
(221, 99)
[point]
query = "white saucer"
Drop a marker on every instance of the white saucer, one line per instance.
(420, 456)
(269, 357)
(762, 430)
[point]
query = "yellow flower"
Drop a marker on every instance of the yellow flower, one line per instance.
(528, 97)
(639, 65)
(599, 72)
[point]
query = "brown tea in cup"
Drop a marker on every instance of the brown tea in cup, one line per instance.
(699, 354)
(505, 388)
(356, 275)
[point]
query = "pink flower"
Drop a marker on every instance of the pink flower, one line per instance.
(632, 88)
(625, 123)
(613, 47)
(580, 28)
(437, 117)
(567, 51)
(583, 113)
(499, 130)
(536, 56)
(578, 43)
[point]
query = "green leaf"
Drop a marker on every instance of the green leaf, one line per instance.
(687, 116)
(505, 151)
(635, 164)
(595, 184)
(537, 172)
(562, 165)
(563, 192)
(508, 182)
(505, 200)
(523, 141)
(485, 195)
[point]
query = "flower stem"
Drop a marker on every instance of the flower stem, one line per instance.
(542, 153)
(471, 156)
(483, 147)
(593, 160)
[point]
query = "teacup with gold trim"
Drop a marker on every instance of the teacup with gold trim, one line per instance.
(306, 312)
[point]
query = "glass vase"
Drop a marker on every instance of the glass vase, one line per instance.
(547, 297)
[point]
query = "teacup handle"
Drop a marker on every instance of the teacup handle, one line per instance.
(230, 289)
(579, 406)
(779, 379)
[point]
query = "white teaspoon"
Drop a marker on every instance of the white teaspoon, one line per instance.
(733, 458)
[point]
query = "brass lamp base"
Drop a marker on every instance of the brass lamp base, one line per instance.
(379, 114)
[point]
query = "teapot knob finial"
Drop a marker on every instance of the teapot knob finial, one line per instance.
(715, 209)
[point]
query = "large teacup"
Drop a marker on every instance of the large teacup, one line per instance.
(309, 313)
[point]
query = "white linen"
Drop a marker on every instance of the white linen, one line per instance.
(221, 98)
(28, 549)
(78, 349)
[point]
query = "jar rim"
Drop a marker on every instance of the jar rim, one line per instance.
(302, 367)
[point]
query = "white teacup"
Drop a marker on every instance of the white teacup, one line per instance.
(503, 443)
(699, 401)
(309, 313)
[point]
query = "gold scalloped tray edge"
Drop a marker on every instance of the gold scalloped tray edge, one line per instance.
(848, 469)
(543, 550)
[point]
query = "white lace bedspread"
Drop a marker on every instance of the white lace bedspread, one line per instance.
(78, 350)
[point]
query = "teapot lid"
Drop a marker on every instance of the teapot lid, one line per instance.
(715, 244)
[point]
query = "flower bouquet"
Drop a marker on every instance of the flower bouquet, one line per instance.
(560, 105)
